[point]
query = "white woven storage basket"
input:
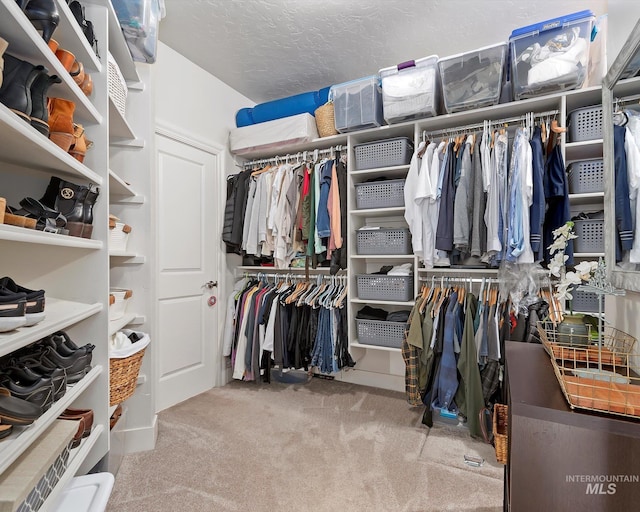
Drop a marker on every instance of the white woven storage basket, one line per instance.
(118, 234)
(118, 300)
(117, 85)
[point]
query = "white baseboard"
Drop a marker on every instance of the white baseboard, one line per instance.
(141, 439)
(373, 379)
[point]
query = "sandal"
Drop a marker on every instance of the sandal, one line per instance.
(14, 217)
(47, 220)
(15, 411)
(80, 145)
(5, 430)
(77, 72)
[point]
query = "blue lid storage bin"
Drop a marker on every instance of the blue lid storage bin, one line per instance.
(357, 104)
(551, 56)
(410, 90)
(472, 79)
(139, 20)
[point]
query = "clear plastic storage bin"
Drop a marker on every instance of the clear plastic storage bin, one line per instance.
(472, 79)
(410, 90)
(552, 55)
(357, 104)
(139, 20)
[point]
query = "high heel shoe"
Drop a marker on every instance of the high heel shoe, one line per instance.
(77, 72)
(15, 92)
(44, 16)
(87, 85)
(39, 108)
(66, 58)
(61, 122)
(23, 4)
(3, 48)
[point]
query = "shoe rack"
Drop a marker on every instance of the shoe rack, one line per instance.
(76, 273)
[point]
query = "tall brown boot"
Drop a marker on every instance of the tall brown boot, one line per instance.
(3, 47)
(61, 122)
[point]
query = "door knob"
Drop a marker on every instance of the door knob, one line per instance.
(211, 284)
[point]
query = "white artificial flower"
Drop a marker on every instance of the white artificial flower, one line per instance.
(572, 278)
(585, 269)
(557, 263)
(559, 244)
(565, 231)
(563, 291)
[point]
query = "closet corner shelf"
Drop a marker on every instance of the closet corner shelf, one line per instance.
(122, 192)
(378, 212)
(395, 172)
(130, 258)
(60, 314)
(120, 323)
(409, 303)
(71, 38)
(587, 198)
(627, 87)
(119, 48)
(19, 441)
(355, 344)
(76, 458)
(583, 150)
(387, 131)
(25, 146)
(119, 127)
(33, 236)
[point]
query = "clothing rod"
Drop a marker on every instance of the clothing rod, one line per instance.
(285, 276)
(494, 122)
(627, 99)
(299, 155)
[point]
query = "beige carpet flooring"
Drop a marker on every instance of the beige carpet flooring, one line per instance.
(320, 446)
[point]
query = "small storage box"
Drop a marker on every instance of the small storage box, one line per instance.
(410, 90)
(139, 20)
(381, 334)
(586, 176)
(472, 79)
(584, 302)
(380, 194)
(384, 153)
(118, 234)
(383, 287)
(551, 56)
(383, 241)
(118, 301)
(590, 234)
(585, 124)
(357, 104)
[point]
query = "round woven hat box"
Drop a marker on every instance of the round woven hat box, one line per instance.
(325, 120)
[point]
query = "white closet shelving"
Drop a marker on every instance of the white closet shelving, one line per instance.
(386, 369)
(72, 271)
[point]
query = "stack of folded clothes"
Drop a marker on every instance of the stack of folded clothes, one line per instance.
(369, 313)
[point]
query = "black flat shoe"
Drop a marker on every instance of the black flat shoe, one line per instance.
(15, 411)
(75, 366)
(13, 309)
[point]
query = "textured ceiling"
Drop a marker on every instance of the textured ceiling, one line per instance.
(269, 49)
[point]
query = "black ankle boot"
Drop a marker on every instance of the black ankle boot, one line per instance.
(39, 110)
(70, 198)
(23, 4)
(90, 201)
(15, 92)
(44, 16)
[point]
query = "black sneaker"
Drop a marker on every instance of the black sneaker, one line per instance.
(13, 308)
(35, 300)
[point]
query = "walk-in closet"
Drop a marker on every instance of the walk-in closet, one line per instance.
(373, 255)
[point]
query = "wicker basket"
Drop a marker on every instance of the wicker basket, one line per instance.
(123, 376)
(326, 120)
(116, 85)
(500, 432)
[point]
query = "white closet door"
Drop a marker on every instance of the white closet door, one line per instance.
(187, 259)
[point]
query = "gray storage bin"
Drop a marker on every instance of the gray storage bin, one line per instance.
(381, 334)
(585, 124)
(586, 176)
(590, 234)
(383, 241)
(384, 153)
(380, 194)
(584, 301)
(383, 287)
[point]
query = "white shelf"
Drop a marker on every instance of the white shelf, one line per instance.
(23, 145)
(583, 150)
(355, 344)
(587, 198)
(33, 236)
(588, 255)
(76, 458)
(131, 258)
(293, 149)
(60, 314)
(120, 323)
(119, 127)
(382, 256)
(384, 302)
(459, 270)
(120, 191)
(378, 212)
(272, 270)
(70, 37)
(396, 172)
(119, 49)
(23, 437)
